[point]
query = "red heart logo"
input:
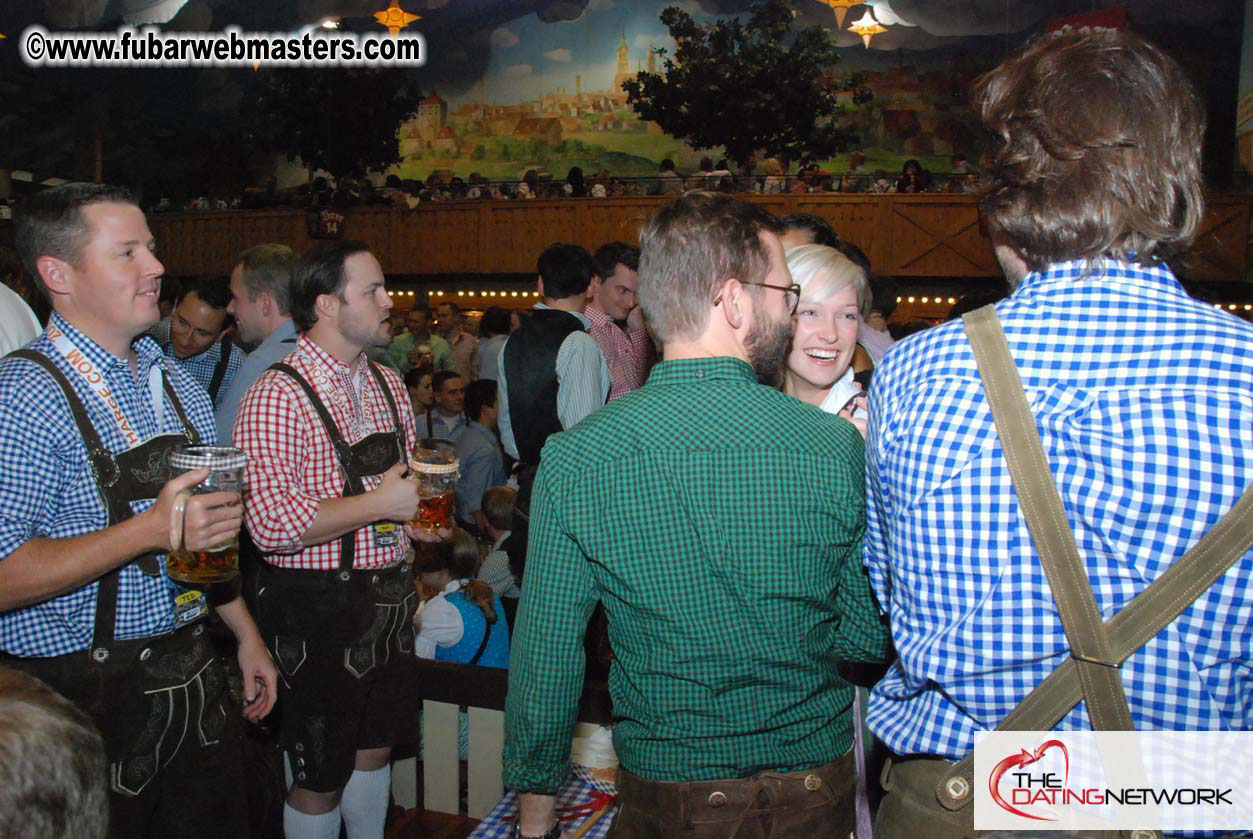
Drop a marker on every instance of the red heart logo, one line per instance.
(1025, 758)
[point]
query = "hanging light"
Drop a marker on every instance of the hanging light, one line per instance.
(867, 28)
(840, 8)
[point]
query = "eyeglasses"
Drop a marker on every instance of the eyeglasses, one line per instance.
(791, 293)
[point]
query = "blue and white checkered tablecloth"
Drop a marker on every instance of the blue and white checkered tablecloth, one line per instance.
(576, 792)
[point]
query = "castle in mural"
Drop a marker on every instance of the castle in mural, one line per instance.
(558, 127)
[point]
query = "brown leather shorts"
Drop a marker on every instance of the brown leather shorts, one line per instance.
(344, 651)
(810, 804)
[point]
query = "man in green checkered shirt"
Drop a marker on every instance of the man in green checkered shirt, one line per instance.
(720, 523)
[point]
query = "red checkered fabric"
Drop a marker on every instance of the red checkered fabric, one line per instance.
(625, 352)
(292, 465)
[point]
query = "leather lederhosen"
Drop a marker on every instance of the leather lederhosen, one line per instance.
(151, 695)
(367, 611)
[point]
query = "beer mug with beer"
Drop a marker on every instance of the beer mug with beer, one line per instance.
(434, 468)
(226, 474)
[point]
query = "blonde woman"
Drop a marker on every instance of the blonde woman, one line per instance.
(824, 332)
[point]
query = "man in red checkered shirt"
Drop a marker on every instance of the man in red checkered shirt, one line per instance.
(327, 434)
(611, 299)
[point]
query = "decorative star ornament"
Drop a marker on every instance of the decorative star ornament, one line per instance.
(867, 28)
(395, 18)
(840, 8)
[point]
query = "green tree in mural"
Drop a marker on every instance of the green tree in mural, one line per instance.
(302, 112)
(747, 86)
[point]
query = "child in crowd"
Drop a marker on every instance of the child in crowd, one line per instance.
(497, 508)
(461, 619)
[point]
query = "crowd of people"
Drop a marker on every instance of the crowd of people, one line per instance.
(771, 176)
(707, 450)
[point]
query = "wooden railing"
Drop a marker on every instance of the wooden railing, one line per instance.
(433, 783)
(931, 235)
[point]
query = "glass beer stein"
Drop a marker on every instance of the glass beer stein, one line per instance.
(226, 474)
(436, 475)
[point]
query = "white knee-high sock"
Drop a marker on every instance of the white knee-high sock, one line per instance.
(298, 825)
(364, 803)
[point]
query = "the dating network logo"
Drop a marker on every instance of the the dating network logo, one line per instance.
(1172, 781)
(1039, 788)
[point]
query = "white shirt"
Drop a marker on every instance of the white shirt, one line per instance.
(843, 390)
(18, 324)
(439, 622)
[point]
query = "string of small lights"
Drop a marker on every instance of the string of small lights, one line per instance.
(1231, 307)
(471, 294)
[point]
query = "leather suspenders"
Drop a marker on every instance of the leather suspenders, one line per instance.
(130, 476)
(373, 454)
(219, 370)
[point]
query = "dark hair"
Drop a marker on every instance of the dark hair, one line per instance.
(612, 254)
(455, 307)
(52, 765)
(459, 556)
(855, 254)
(578, 188)
(566, 270)
(419, 307)
(818, 227)
(497, 507)
(51, 223)
(667, 165)
(9, 264)
(1098, 150)
(216, 291)
(480, 394)
(495, 321)
(706, 165)
(883, 294)
(319, 271)
(688, 249)
(268, 268)
(414, 377)
(438, 380)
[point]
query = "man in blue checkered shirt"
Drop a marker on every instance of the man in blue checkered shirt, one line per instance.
(197, 341)
(89, 413)
(1143, 398)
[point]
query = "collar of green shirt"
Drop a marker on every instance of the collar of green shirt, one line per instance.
(688, 370)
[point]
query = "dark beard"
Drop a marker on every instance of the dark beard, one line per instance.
(767, 347)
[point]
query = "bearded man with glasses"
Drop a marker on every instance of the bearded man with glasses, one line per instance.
(719, 521)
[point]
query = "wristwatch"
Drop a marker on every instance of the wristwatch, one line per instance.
(554, 832)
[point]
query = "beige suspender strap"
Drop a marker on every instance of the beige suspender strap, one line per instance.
(1134, 626)
(1041, 506)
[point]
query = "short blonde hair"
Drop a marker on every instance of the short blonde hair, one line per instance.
(821, 271)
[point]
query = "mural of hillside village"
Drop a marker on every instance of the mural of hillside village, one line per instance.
(569, 114)
(593, 129)
(542, 89)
